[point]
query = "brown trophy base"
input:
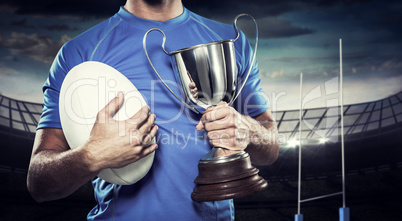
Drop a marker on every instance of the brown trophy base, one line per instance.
(228, 180)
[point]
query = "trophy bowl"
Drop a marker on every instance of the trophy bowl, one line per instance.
(207, 74)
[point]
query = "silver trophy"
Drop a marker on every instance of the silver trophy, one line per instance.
(207, 74)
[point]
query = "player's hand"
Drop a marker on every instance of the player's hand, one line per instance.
(114, 144)
(193, 90)
(226, 128)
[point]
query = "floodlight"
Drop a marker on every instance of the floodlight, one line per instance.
(292, 143)
(323, 140)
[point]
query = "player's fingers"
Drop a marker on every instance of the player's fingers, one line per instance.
(148, 137)
(111, 108)
(139, 117)
(147, 124)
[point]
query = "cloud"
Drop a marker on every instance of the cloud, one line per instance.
(53, 27)
(285, 95)
(97, 8)
(38, 47)
(279, 73)
(384, 65)
(275, 28)
(7, 8)
(21, 23)
(22, 86)
(59, 27)
(391, 64)
(7, 71)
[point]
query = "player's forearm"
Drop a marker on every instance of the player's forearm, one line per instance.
(264, 145)
(54, 174)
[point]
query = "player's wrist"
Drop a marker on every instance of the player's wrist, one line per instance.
(90, 159)
(257, 134)
(253, 129)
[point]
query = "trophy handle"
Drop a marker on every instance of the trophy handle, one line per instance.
(255, 51)
(144, 44)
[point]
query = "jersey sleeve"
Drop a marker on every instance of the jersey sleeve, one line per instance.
(252, 100)
(50, 117)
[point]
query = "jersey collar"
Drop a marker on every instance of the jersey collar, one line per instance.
(147, 24)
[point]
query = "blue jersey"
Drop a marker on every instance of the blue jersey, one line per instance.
(165, 192)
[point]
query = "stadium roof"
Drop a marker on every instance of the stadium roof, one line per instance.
(20, 118)
(362, 119)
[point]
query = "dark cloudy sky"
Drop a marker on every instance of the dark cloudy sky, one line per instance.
(295, 36)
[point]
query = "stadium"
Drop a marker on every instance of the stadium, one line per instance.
(373, 162)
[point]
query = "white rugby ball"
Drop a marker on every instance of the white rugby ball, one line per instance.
(87, 88)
